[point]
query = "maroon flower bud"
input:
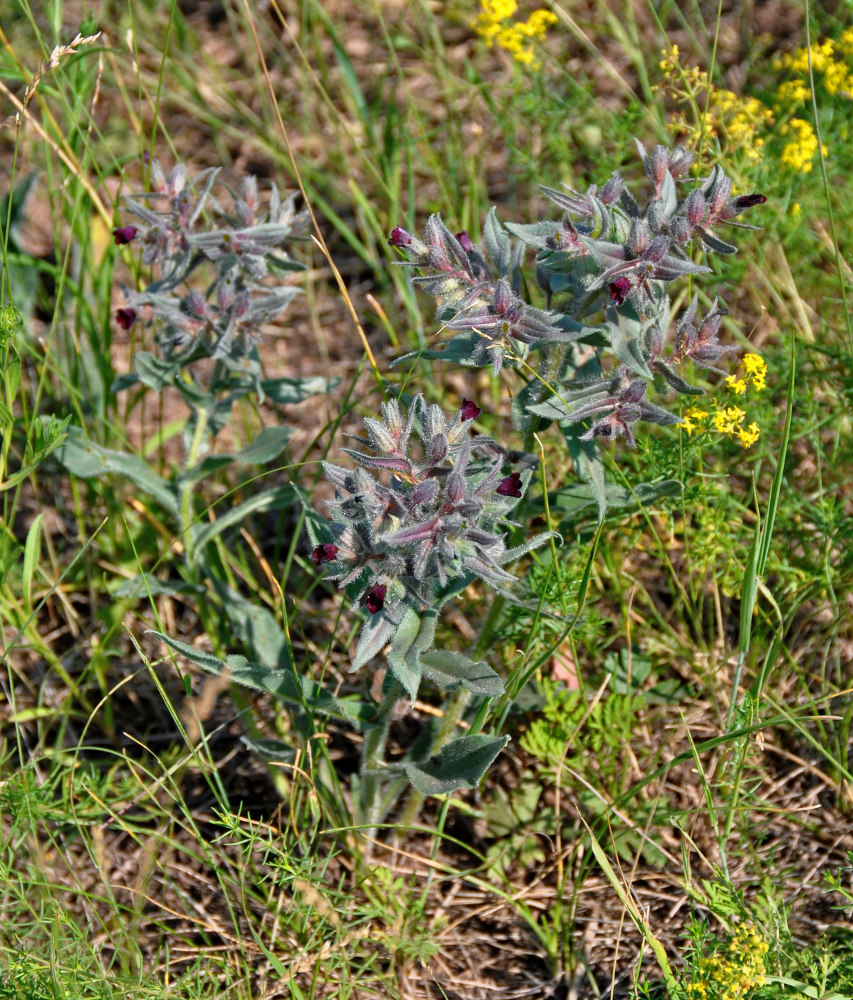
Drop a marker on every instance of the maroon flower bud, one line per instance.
(324, 553)
(503, 297)
(749, 201)
(660, 162)
(465, 242)
(680, 161)
(510, 486)
(611, 190)
(125, 318)
(638, 239)
(400, 238)
(619, 290)
(124, 234)
(375, 598)
(695, 208)
(469, 409)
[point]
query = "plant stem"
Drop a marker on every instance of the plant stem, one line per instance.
(453, 709)
(372, 754)
(187, 512)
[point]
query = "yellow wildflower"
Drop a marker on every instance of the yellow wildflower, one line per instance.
(794, 92)
(494, 23)
(800, 152)
(692, 418)
(846, 41)
(756, 370)
(727, 419)
(736, 385)
(734, 972)
(748, 435)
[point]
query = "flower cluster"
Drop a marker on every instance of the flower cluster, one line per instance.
(181, 226)
(731, 420)
(733, 973)
(495, 24)
(405, 545)
(474, 297)
(609, 254)
(745, 123)
(830, 60)
(801, 146)
(738, 121)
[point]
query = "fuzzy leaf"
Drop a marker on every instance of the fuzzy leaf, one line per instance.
(283, 684)
(294, 390)
(677, 382)
(589, 465)
(460, 764)
(496, 244)
(84, 458)
(449, 670)
(375, 635)
(713, 243)
(152, 371)
(405, 667)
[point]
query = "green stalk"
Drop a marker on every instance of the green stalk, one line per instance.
(187, 511)
(372, 756)
(453, 709)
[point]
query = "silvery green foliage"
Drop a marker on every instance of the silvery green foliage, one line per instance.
(209, 299)
(406, 542)
(609, 264)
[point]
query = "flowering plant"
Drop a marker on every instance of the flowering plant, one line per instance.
(409, 545)
(591, 364)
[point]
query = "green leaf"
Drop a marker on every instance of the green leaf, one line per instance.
(457, 350)
(589, 465)
(141, 586)
(154, 372)
(496, 243)
(449, 670)
(285, 684)
(257, 627)
(273, 499)
(406, 668)
(294, 390)
(571, 500)
(375, 635)
(86, 459)
(32, 552)
(460, 764)
(677, 382)
(268, 445)
(272, 750)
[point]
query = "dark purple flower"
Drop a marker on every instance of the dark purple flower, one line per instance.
(124, 234)
(125, 318)
(400, 238)
(375, 598)
(465, 242)
(324, 553)
(469, 409)
(510, 486)
(749, 201)
(619, 290)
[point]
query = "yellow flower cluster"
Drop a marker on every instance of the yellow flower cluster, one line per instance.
(754, 373)
(495, 24)
(827, 58)
(799, 153)
(733, 973)
(729, 420)
(738, 120)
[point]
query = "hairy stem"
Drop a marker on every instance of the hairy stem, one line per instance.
(372, 756)
(187, 512)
